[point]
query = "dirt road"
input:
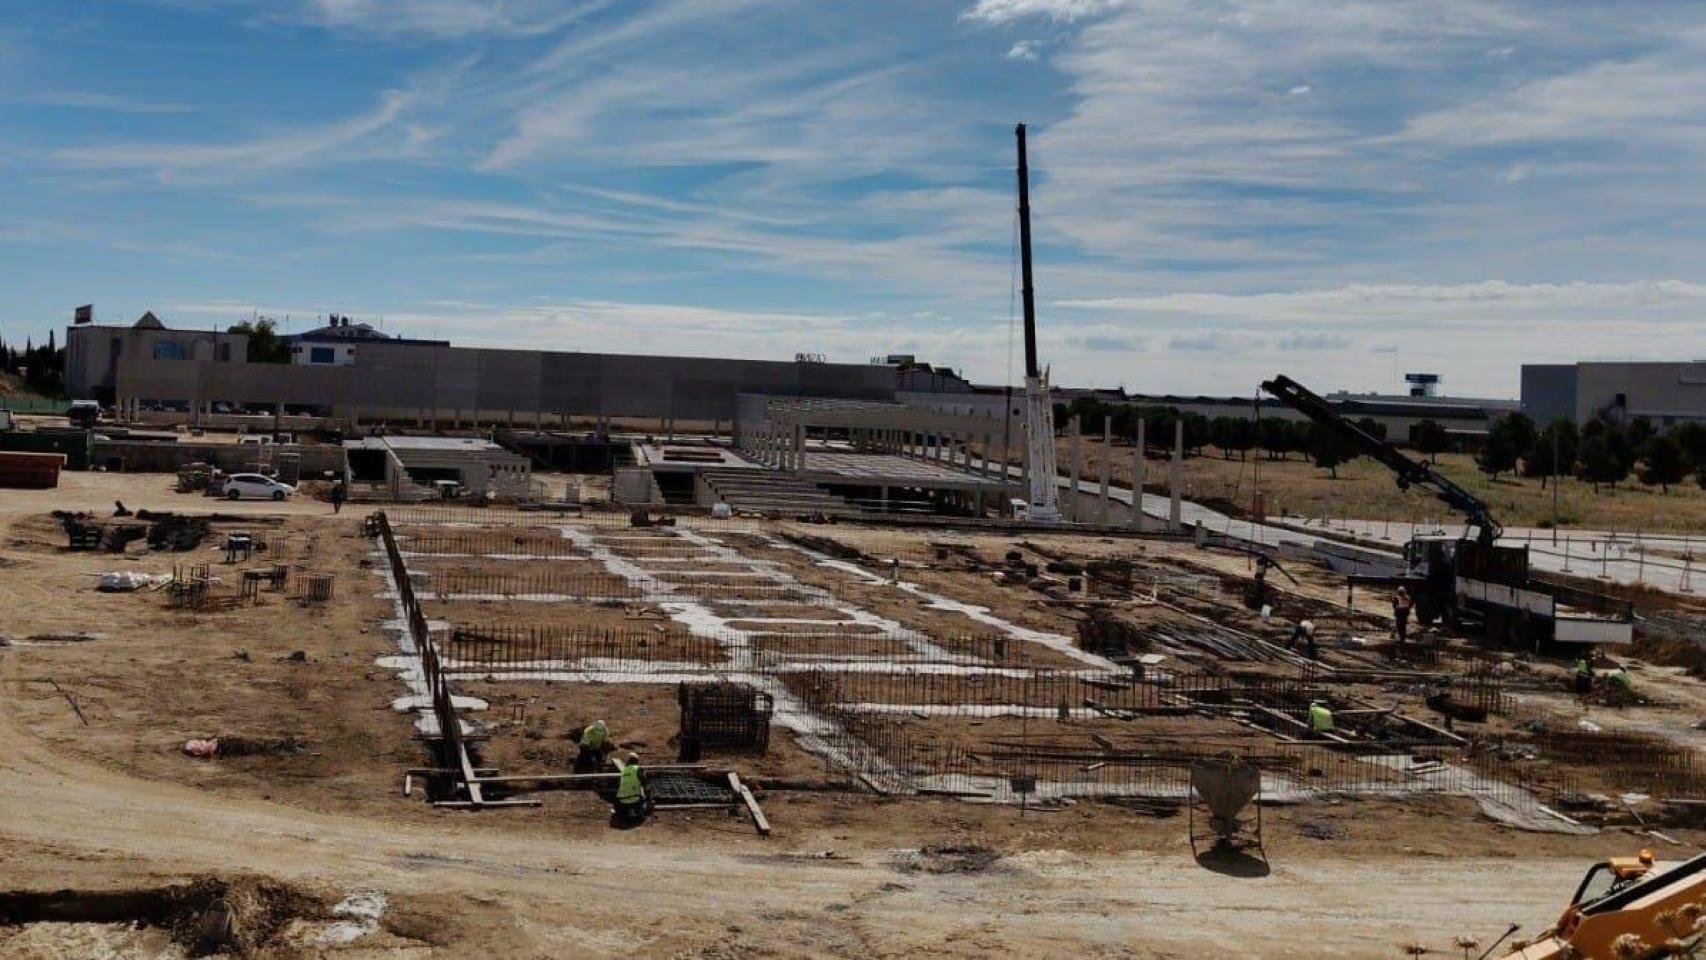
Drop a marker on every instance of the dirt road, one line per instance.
(69, 822)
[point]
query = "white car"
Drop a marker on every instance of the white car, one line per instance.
(255, 486)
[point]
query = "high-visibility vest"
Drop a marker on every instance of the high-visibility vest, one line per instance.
(1583, 669)
(593, 737)
(1320, 719)
(1622, 677)
(629, 789)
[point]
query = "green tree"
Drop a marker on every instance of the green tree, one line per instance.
(1601, 462)
(265, 345)
(1499, 453)
(1276, 437)
(1372, 427)
(1430, 438)
(1556, 445)
(1641, 432)
(1692, 437)
(1330, 449)
(1666, 463)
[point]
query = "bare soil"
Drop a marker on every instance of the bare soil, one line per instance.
(111, 802)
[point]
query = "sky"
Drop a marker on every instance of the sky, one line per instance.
(1222, 189)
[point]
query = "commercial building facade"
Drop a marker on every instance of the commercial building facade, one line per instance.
(425, 381)
(1667, 393)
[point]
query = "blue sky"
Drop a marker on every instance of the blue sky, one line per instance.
(1224, 189)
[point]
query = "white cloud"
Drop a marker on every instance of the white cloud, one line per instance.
(1023, 50)
(243, 158)
(442, 19)
(1298, 90)
(1006, 11)
(1313, 340)
(1437, 303)
(86, 100)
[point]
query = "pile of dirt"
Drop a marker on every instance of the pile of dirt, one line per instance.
(831, 547)
(1109, 635)
(948, 858)
(242, 746)
(241, 916)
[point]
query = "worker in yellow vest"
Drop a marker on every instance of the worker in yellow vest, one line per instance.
(1584, 676)
(1320, 718)
(595, 746)
(632, 802)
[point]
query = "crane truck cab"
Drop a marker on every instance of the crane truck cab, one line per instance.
(1622, 896)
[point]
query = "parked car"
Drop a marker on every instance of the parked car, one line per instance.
(83, 413)
(255, 486)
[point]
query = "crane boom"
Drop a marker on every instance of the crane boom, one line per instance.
(1409, 472)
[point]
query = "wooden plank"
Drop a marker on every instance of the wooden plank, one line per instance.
(485, 804)
(758, 818)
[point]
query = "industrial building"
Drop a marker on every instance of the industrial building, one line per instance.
(433, 383)
(1664, 392)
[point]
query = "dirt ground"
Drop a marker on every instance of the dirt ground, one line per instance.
(96, 793)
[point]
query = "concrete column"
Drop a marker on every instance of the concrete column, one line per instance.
(1077, 471)
(1106, 467)
(1174, 470)
(538, 420)
(1138, 463)
(799, 447)
(278, 418)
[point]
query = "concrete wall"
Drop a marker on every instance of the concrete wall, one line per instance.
(410, 382)
(1549, 392)
(93, 353)
(1669, 393)
(147, 456)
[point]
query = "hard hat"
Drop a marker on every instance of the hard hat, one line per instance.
(633, 757)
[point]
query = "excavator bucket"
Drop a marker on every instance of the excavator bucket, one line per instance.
(1224, 789)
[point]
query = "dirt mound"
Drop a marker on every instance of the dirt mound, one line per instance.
(241, 746)
(948, 858)
(239, 916)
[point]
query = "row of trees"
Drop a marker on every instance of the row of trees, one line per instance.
(42, 368)
(1600, 452)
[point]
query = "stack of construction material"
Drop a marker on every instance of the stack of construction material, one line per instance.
(30, 471)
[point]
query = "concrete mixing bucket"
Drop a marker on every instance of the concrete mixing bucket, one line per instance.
(1227, 786)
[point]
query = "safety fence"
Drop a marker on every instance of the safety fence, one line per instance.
(498, 648)
(595, 585)
(455, 515)
(483, 542)
(896, 756)
(454, 751)
(973, 694)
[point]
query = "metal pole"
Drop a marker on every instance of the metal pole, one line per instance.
(1557, 478)
(1028, 290)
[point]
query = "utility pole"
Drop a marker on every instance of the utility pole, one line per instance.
(1039, 405)
(1557, 478)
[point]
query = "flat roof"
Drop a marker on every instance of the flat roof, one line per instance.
(402, 444)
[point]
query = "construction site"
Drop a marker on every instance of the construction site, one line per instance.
(831, 676)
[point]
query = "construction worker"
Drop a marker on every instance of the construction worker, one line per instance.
(1621, 678)
(338, 495)
(1584, 676)
(1304, 632)
(1401, 605)
(1320, 718)
(631, 800)
(595, 745)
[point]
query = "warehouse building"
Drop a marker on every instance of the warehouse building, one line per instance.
(1666, 393)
